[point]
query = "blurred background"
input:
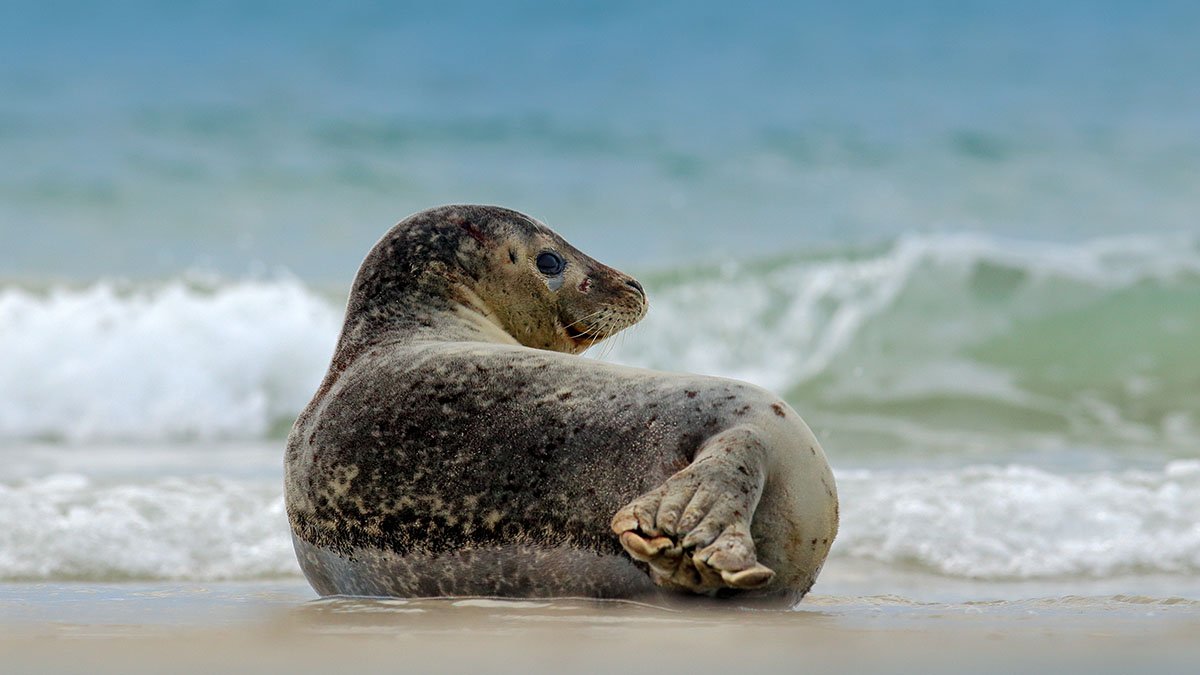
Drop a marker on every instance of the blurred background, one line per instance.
(961, 238)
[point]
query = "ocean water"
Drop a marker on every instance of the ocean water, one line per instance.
(962, 240)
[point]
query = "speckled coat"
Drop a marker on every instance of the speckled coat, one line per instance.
(458, 446)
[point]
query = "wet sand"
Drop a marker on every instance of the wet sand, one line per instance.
(279, 626)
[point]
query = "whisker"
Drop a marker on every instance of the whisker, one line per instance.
(585, 318)
(609, 324)
(595, 329)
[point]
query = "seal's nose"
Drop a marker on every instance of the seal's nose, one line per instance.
(634, 283)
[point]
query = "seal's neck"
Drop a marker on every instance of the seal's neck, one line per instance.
(459, 316)
(479, 317)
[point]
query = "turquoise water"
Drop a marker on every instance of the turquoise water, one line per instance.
(143, 138)
(960, 238)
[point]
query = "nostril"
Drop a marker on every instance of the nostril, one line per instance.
(635, 284)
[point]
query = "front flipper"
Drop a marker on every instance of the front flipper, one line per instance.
(694, 529)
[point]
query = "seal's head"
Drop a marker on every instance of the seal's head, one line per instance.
(502, 264)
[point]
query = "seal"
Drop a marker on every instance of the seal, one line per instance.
(459, 445)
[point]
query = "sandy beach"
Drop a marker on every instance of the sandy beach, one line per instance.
(280, 626)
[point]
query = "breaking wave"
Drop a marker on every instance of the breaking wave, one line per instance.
(934, 337)
(172, 361)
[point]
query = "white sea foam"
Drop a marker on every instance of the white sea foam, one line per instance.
(164, 362)
(1017, 522)
(986, 522)
(66, 526)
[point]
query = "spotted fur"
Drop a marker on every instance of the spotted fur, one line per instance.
(458, 446)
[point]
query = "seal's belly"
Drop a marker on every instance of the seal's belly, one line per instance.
(503, 570)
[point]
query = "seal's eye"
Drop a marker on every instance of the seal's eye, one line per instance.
(550, 263)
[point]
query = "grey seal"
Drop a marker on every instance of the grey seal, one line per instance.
(458, 445)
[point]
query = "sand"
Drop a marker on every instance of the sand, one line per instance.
(279, 626)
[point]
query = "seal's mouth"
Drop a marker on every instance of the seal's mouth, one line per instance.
(580, 335)
(598, 326)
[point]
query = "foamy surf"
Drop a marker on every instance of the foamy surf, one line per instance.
(969, 339)
(71, 527)
(1001, 523)
(169, 361)
(1020, 522)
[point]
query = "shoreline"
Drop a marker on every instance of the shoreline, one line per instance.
(856, 595)
(279, 626)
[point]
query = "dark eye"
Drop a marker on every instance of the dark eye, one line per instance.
(550, 263)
